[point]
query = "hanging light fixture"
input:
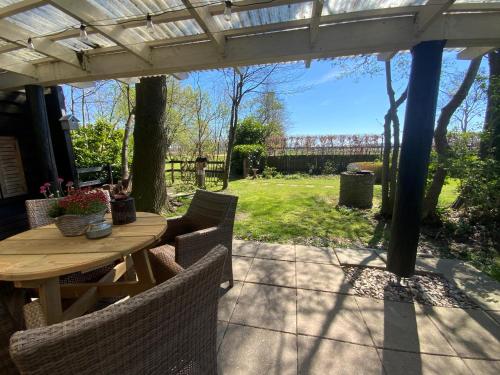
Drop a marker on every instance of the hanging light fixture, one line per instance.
(83, 33)
(30, 44)
(149, 24)
(227, 10)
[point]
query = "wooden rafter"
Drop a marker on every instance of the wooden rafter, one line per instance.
(470, 53)
(19, 7)
(18, 35)
(13, 65)
(315, 19)
(89, 14)
(205, 19)
(343, 39)
(429, 12)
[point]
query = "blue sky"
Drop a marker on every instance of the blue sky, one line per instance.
(336, 103)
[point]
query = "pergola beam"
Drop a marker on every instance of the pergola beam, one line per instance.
(13, 65)
(88, 14)
(470, 53)
(315, 19)
(204, 18)
(370, 36)
(386, 56)
(14, 33)
(19, 7)
(429, 12)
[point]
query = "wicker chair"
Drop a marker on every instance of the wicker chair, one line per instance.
(169, 329)
(11, 302)
(38, 211)
(208, 222)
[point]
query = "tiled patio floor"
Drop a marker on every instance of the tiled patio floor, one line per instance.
(292, 312)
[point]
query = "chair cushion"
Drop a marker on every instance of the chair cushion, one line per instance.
(162, 259)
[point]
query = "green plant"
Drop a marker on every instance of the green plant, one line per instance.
(79, 202)
(330, 167)
(271, 172)
(254, 153)
(249, 132)
(373, 166)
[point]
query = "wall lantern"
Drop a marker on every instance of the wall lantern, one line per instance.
(69, 122)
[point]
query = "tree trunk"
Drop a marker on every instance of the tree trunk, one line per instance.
(150, 145)
(126, 141)
(389, 168)
(441, 141)
(490, 142)
(230, 143)
(385, 210)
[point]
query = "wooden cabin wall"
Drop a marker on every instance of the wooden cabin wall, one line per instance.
(15, 121)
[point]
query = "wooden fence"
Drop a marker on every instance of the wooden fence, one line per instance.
(186, 172)
(315, 164)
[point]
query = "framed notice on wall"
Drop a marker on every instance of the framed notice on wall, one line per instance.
(12, 181)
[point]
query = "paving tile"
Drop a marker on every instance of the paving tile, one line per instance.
(254, 351)
(323, 277)
(330, 315)
(315, 254)
(241, 265)
(275, 272)
(483, 367)
(245, 248)
(359, 257)
(221, 329)
(227, 301)
(322, 356)
(276, 251)
(266, 306)
(470, 332)
(396, 363)
(404, 326)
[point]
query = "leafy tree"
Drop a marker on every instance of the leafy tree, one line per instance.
(97, 144)
(250, 131)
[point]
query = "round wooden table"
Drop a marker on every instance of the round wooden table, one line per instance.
(36, 258)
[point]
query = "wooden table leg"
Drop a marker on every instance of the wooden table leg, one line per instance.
(146, 279)
(50, 300)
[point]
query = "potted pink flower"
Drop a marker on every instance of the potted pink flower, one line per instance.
(74, 212)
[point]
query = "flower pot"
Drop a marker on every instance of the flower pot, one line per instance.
(123, 211)
(76, 225)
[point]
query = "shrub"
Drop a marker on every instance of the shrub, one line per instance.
(374, 166)
(254, 153)
(250, 132)
(330, 167)
(271, 172)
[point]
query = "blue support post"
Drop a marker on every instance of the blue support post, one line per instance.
(415, 153)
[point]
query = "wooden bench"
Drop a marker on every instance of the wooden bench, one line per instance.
(101, 175)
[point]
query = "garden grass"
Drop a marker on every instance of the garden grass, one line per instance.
(304, 210)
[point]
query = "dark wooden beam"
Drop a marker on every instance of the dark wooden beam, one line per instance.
(418, 131)
(46, 161)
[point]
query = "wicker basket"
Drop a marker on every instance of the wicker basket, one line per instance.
(76, 225)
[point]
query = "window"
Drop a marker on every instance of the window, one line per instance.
(12, 181)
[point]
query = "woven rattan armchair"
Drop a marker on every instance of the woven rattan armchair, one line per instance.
(208, 222)
(169, 329)
(38, 211)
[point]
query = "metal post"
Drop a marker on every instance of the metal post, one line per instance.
(415, 153)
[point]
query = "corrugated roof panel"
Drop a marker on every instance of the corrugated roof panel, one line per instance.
(26, 54)
(123, 9)
(4, 3)
(169, 30)
(43, 20)
(95, 41)
(257, 17)
(346, 6)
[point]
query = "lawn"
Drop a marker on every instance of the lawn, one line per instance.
(304, 210)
